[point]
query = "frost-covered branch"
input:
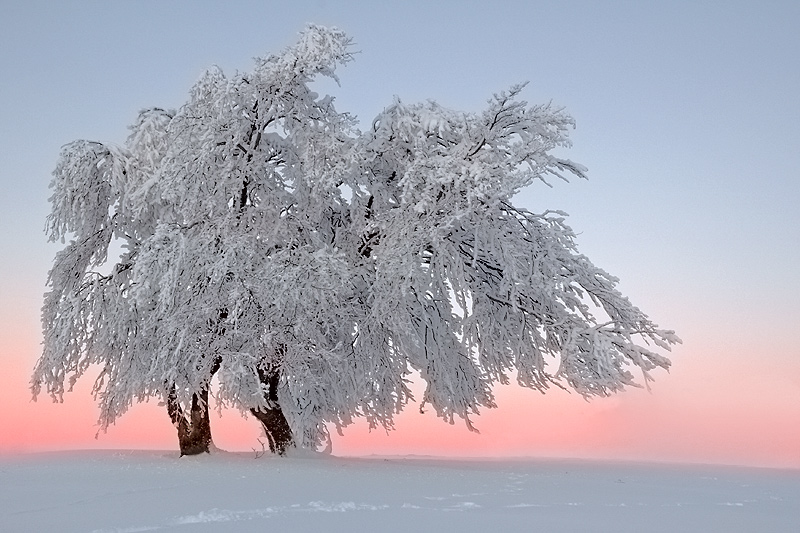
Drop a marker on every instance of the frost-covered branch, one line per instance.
(312, 269)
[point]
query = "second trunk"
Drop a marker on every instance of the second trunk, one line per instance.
(277, 429)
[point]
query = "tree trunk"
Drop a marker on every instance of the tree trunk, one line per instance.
(277, 429)
(194, 431)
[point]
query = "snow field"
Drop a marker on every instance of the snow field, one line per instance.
(120, 491)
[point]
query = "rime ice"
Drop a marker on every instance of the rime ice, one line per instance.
(243, 260)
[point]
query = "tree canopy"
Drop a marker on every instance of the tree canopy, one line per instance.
(314, 268)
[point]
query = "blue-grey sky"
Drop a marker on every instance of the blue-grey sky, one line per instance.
(688, 118)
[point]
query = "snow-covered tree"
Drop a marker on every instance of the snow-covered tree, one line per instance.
(466, 288)
(313, 269)
(227, 212)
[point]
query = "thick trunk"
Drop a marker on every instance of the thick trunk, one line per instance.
(277, 429)
(194, 430)
(194, 427)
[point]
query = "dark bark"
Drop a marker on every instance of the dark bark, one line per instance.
(194, 430)
(277, 429)
(194, 426)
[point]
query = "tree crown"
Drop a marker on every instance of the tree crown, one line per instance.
(263, 233)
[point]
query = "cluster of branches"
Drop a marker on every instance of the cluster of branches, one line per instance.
(313, 268)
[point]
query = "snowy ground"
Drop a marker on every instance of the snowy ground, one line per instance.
(157, 491)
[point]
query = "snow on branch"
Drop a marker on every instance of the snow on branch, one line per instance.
(243, 260)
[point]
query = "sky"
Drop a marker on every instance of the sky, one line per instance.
(687, 118)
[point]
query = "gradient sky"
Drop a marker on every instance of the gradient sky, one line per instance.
(688, 118)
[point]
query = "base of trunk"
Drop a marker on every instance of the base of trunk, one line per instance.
(194, 431)
(277, 429)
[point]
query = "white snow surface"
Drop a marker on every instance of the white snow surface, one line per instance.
(123, 491)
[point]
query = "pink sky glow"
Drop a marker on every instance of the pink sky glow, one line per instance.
(687, 118)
